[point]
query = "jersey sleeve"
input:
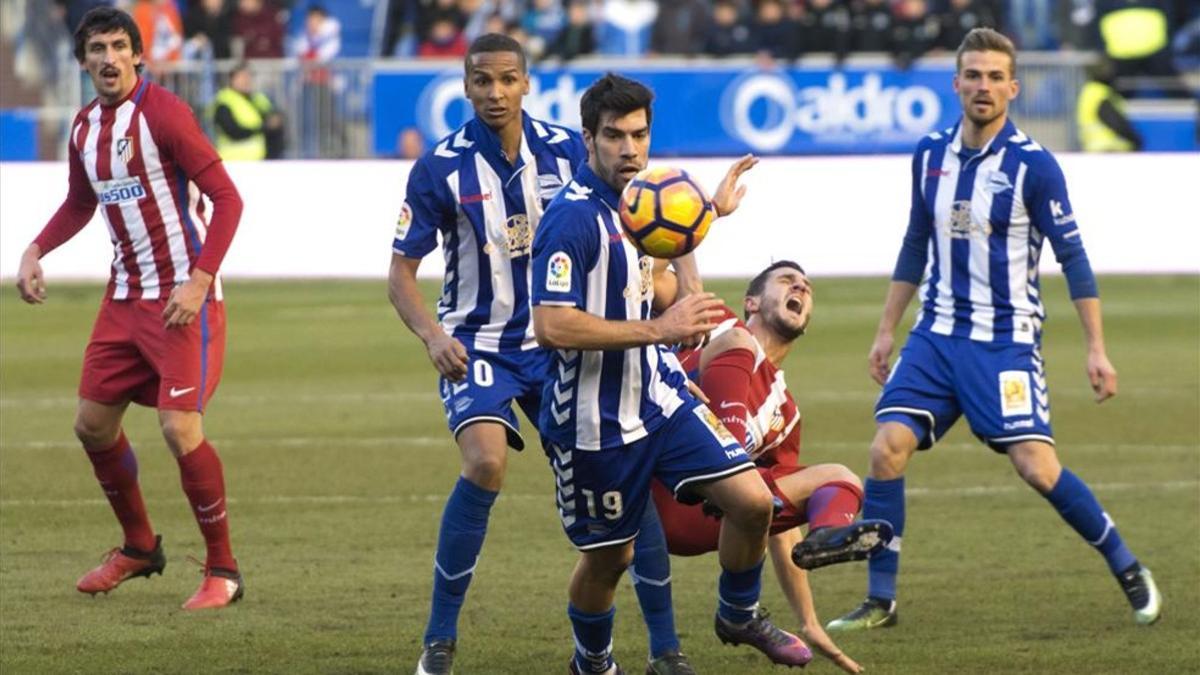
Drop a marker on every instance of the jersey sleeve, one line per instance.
(565, 247)
(726, 382)
(425, 210)
(910, 264)
(1049, 209)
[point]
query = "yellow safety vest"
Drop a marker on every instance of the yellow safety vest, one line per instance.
(249, 114)
(1133, 33)
(1094, 134)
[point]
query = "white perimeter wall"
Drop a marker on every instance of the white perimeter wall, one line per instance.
(837, 216)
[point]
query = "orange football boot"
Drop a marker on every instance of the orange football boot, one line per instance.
(122, 564)
(221, 587)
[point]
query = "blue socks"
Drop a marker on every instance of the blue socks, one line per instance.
(593, 639)
(884, 500)
(1078, 506)
(737, 594)
(651, 575)
(464, 523)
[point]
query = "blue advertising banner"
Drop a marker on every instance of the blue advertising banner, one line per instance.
(706, 110)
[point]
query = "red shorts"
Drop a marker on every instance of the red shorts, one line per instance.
(131, 357)
(690, 531)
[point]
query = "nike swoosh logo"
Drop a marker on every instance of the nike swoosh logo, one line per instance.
(733, 404)
(210, 507)
(176, 393)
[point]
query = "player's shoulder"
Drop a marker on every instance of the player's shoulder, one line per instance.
(450, 151)
(159, 101)
(553, 138)
(1037, 157)
(730, 334)
(575, 199)
(935, 139)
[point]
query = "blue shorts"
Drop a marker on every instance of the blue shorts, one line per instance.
(601, 493)
(494, 381)
(1001, 388)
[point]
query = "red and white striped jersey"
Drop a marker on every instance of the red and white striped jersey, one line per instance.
(140, 156)
(771, 416)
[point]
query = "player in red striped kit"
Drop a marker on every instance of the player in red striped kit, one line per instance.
(159, 339)
(739, 371)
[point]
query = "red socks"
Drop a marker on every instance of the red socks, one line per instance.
(117, 470)
(204, 483)
(833, 505)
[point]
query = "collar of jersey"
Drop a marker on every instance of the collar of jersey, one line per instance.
(489, 145)
(585, 176)
(136, 94)
(998, 141)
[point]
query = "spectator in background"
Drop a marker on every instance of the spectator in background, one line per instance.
(209, 25)
(480, 12)
(247, 125)
(871, 26)
(916, 31)
(961, 18)
(542, 21)
(445, 39)
(825, 28)
(322, 131)
(430, 12)
(161, 28)
(625, 27)
(728, 35)
(410, 144)
(73, 11)
(1100, 115)
(1136, 38)
(258, 30)
(680, 28)
(773, 34)
(578, 37)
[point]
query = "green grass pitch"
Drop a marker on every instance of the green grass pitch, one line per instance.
(338, 462)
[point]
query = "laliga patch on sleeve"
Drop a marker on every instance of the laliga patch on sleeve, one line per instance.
(723, 436)
(404, 221)
(1016, 400)
(558, 273)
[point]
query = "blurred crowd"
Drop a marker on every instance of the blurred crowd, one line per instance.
(566, 29)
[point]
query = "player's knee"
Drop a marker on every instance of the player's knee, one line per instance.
(843, 474)
(1041, 476)
(753, 508)
(485, 469)
(181, 434)
(94, 433)
(888, 458)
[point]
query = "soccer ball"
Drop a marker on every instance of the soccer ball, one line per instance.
(665, 212)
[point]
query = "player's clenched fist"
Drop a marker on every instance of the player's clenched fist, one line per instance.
(449, 357)
(689, 318)
(31, 283)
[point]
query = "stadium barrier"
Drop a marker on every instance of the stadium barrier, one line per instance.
(837, 215)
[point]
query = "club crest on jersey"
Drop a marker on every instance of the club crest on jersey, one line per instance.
(125, 149)
(1016, 400)
(962, 225)
(645, 278)
(558, 273)
(519, 235)
(403, 221)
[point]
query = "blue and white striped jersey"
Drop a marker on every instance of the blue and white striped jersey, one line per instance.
(486, 210)
(600, 399)
(976, 228)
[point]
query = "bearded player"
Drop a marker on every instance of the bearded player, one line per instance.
(159, 339)
(740, 371)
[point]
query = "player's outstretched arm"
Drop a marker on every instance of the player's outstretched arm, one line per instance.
(31, 281)
(1101, 373)
(729, 194)
(793, 581)
(900, 293)
(446, 353)
(565, 327)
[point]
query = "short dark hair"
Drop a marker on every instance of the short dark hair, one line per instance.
(615, 94)
(106, 20)
(987, 40)
(759, 282)
(317, 9)
(494, 42)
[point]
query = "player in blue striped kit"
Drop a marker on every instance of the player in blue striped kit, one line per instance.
(484, 188)
(616, 409)
(985, 197)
